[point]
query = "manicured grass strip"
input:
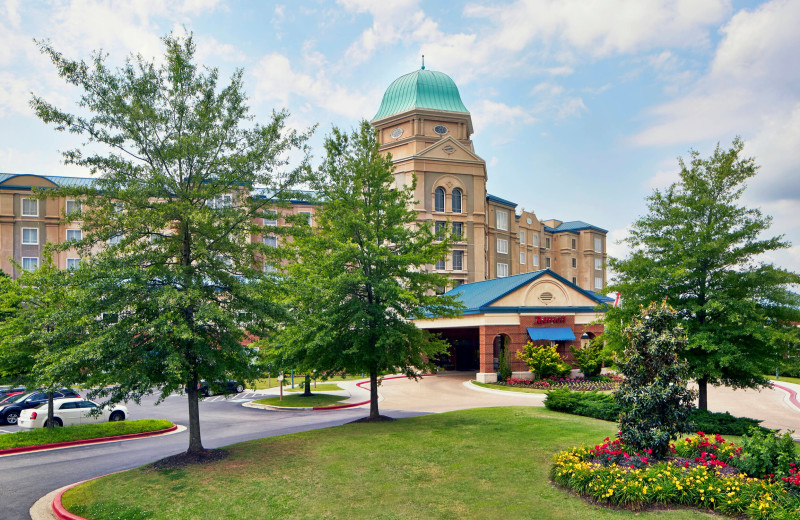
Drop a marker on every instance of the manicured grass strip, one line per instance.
(299, 401)
(267, 383)
(795, 380)
(510, 388)
(79, 432)
(321, 387)
(486, 463)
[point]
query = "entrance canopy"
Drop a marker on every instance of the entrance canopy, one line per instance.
(551, 333)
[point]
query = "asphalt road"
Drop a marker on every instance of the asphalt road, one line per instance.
(25, 478)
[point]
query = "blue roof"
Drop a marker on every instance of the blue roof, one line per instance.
(478, 296)
(573, 227)
(55, 179)
(551, 334)
(494, 198)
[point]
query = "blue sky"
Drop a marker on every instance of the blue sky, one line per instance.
(580, 108)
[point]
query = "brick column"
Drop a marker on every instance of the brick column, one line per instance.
(486, 353)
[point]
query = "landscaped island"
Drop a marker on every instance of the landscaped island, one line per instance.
(80, 432)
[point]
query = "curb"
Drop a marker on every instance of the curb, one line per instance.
(792, 395)
(58, 508)
(471, 386)
(25, 449)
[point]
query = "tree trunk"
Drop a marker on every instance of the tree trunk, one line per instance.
(307, 386)
(50, 411)
(195, 444)
(702, 393)
(373, 394)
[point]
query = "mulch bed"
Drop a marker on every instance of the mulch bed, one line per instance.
(380, 418)
(186, 459)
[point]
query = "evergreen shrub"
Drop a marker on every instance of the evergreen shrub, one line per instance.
(543, 360)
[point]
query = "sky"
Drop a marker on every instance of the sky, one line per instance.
(580, 108)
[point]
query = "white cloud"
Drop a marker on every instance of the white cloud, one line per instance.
(277, 81)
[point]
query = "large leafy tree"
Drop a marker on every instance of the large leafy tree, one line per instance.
(361, 276)
(172, 263)
(698, 248)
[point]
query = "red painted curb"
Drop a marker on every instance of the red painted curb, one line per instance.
(792, 394)
(351, 405)
(25, 449)
(58, 508)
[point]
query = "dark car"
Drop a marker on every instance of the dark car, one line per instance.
(9, 412)
(220, 387)
(5, 392)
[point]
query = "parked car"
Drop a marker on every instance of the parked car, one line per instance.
(4, 393)
(7, 397)
(71, 411)
(220, 387)
(9, 412)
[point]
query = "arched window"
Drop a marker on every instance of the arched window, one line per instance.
(456, 200)
(438, 199)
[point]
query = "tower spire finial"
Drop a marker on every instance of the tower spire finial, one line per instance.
(423, 62)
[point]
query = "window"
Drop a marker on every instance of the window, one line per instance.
(30, 263)
(440, 265)
(74, 235)
(458, 230)
(115, 239)
(502, 270)
(522, 237)
(547, 262)
(269, 268)
(118, 208)
(547, 242)
(220, 201)
(598, 263)
(502, 245)
(72, 263)
(30, 236)
(456, 200)
(271, 241)
(306, 213)
(438, 200)
(439, 229)
(535, 240)
(271, 221)
(598, 282)
(574, 281)
(522, 259)
(502, 220)
(72, 206)
(574, 244)
(458, 260)
(598, 245)
(535, 260)
(30, 208)
(574, 263)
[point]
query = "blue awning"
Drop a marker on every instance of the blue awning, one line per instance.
(551, 333)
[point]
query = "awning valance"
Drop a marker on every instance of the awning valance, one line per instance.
(551, 334)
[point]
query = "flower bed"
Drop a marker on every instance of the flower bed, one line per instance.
(698, 475)
(556, 383)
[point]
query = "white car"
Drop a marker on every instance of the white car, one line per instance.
(71, 411)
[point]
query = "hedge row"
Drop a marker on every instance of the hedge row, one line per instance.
(603, 406)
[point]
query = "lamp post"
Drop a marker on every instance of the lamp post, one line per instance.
(280, 384)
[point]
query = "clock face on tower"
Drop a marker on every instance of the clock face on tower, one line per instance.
(440, 129)
(397, 132)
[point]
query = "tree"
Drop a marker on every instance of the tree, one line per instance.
(653, 397)
(361, 274)
(698, 249)
(171, 269)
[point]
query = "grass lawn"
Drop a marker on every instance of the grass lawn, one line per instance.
(795, 380)
(485, 463)
(321, 387)
(267, 383)
(299, 401)
(39, 436)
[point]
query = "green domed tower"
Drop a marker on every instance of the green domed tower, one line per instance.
(423, 123)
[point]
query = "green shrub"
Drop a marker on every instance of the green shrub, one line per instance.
(590, 358)
(543, 360)
(504, 365)
(766, 454)
(654, 399)
(603, 406)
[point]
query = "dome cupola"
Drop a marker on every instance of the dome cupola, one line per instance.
(422, 88)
